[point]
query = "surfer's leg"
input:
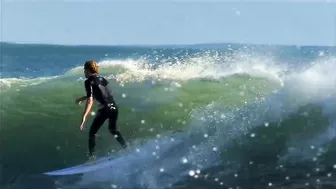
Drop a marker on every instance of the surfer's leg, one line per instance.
(113, 117)
(97, 122)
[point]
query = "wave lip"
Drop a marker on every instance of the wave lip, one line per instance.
(205, 66)
(8, 83)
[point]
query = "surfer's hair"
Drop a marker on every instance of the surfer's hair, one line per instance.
(92, 66)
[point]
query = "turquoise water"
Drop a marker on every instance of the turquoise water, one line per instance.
(248, 116)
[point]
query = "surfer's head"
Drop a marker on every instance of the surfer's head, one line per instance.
(90, 67)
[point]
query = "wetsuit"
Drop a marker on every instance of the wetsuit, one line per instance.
(96, 87)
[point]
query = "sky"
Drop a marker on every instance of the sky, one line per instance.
(126, 22)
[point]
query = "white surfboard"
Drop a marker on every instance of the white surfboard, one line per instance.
(84, 168)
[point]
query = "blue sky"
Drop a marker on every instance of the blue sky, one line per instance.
(126, 22)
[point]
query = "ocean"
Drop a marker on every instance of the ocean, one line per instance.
(202, 116)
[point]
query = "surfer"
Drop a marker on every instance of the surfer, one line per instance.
(97, 88)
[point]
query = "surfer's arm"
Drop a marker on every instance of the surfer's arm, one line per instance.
(88, 107)
(89, 97)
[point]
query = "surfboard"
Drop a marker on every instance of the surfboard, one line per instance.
(107, 161)
(83, 168)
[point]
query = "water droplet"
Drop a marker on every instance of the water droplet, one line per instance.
(252, 135)
(191, 173)
(312, 146)
(161, 170)
(123, 95)
(216, 179)
(270, 184)
(113, 186)
(205, 135)
(321, 53)
(214, 149)
(184, 160)
(287, 178)
(142, 121)
(329, 175)
(266, 124)
(93, 113)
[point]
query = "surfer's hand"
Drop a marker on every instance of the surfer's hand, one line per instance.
(82, 125)
(80, 99)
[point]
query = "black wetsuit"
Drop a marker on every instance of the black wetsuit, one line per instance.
(96, 87)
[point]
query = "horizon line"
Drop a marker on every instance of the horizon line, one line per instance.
(158, 45)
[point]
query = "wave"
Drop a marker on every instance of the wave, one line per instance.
(220, 107)
(215, 129)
